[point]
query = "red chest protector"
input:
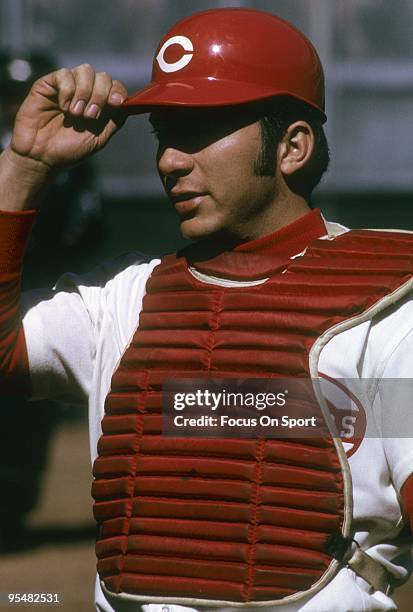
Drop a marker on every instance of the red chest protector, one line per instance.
(237, 521)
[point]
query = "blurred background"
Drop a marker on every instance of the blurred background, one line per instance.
(115, 204)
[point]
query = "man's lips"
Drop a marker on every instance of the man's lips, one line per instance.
(186, 202)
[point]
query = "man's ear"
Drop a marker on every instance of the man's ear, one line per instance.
(295, 148)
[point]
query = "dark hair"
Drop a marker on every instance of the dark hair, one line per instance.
(274, 122)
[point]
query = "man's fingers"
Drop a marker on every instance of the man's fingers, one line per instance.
(65, 84)
(118, 93)
(99, 96)
(83, 92)
(84, 76)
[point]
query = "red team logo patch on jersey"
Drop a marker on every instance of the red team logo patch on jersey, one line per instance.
(347, 411)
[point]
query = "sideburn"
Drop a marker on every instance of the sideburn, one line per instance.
(265, 163)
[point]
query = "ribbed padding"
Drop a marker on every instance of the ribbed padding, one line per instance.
(239, 520)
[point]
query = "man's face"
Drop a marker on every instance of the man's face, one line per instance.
(208, 161)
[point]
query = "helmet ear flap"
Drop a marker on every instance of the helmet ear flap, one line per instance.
(230, 56)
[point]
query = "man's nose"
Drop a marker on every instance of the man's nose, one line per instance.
(175, 163)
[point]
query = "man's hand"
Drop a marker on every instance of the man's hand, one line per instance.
(67, 116)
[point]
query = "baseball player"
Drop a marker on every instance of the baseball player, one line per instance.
(267, 289)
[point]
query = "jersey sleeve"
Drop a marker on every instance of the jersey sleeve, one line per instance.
(395, 395)
(49, 337)
(63, 329)
(46, 336)
(60, 331)
(81, 327)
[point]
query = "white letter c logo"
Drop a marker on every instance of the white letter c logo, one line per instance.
(185, 43)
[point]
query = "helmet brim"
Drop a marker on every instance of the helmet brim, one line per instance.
(202, 93)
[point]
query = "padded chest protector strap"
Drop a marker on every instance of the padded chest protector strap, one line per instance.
(233, 522)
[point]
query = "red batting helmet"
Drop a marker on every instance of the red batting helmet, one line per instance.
(231, 56)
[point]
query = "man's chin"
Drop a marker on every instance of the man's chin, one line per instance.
(195, 229)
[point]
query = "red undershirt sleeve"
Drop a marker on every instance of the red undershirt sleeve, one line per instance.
(407, 500)
(15, 229)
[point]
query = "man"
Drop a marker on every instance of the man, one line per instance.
(268, 290)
